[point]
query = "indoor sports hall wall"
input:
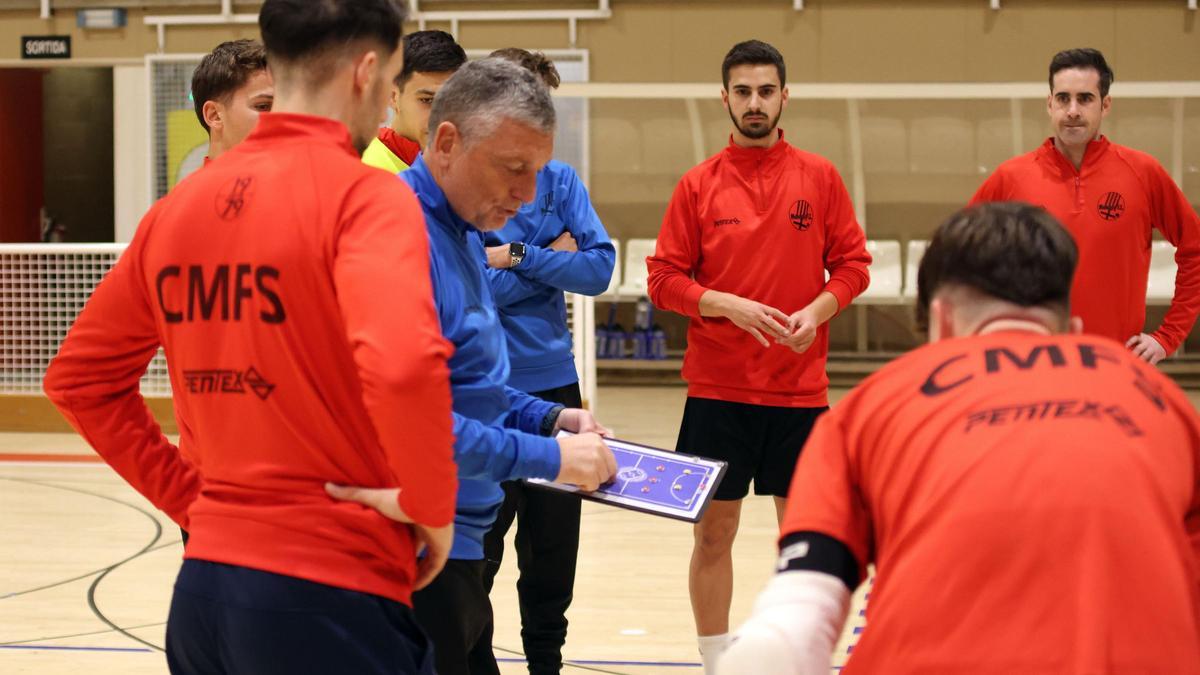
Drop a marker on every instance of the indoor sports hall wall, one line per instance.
(909, 162)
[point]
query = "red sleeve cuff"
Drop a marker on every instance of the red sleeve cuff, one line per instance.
(842, 291)
(691, 299)
(1168, 345)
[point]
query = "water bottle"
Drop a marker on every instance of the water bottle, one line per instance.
(642, 320)
(658, 343)
(641, 329)
(602, 332)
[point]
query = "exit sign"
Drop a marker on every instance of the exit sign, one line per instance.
(45, 46)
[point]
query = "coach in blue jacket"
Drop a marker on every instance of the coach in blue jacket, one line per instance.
(555, 243)
(491, 132)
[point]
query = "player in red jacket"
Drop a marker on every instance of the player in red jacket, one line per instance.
(1110, 198)
(230, 88)
(1029, 496)
(744, 248)
(290, 287)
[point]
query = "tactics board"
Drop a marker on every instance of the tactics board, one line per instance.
(654, 481)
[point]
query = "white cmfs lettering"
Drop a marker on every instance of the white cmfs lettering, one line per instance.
(43, 47)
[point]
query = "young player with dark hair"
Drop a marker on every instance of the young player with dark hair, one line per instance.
(1110, 198)
(430, 58)
(1029, 496)
(230, 87)
(289, 285)
(743, 250)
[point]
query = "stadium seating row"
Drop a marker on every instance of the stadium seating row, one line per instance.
(893, 280)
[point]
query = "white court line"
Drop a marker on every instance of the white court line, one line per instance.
(636, 464)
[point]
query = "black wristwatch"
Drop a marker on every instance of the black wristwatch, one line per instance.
(516, 253)
(551, 419)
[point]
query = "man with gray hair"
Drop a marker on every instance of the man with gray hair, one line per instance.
(490, 131)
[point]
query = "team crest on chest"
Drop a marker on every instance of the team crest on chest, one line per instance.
(801, 215)
(1111, 206)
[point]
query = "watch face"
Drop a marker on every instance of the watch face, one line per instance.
(516, 249)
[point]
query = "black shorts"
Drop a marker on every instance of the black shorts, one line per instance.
(759, 442)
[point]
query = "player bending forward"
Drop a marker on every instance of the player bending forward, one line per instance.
(1027, 494)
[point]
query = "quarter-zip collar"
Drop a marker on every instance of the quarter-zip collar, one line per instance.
(740, 154)
(1092, 156)
(274, 127)
(434, 199)
(1096, 149)
(755, 163)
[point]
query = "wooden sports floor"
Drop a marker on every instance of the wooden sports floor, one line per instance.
(87, 565)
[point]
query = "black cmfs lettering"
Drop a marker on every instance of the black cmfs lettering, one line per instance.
(1091, 355)
(159, 281)
(991, 357)
(932, 387)
(241, 291)
(271, 295)
(206, 297)
(214, 292)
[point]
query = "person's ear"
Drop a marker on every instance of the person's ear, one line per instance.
(1075, 325)
(941, 320)
(214, 115)
(366, 69)
(445, 139)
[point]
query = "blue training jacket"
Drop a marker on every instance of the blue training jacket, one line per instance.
(530, 295)
(496, 427)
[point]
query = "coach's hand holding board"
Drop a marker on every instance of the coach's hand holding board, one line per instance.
(586, 460)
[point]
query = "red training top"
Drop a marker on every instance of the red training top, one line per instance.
(764, 224)
(289, 285)
(1031, 504)
(407, 150)
(1110, 206)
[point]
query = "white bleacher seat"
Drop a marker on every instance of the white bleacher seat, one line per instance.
(884, 145)
(821, 136)
(616, 145)
(916, 251)
(1148, 127)
(636, 252)
(886, 272)
(615, 283)
(943, 145)
(667, 146)
(993, 143)
(1160, 287)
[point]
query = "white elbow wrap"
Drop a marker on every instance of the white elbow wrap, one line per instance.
(794, 628)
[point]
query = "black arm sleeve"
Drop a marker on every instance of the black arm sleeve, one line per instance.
(816, 552)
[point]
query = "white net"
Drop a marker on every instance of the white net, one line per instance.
(42, 289)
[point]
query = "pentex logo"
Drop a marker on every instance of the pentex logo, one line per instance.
(1111, 206)
(801, 215)
(221, 381)
(726, 221)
